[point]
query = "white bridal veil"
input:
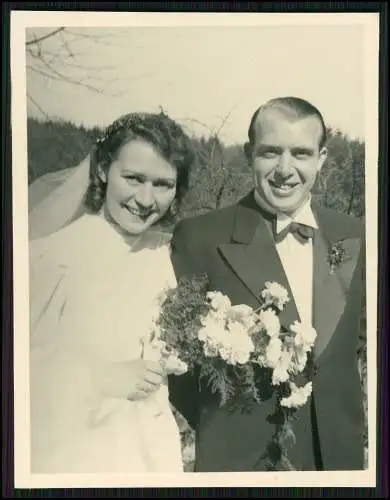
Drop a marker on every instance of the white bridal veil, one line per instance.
(62, 205)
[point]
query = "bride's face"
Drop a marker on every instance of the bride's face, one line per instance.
(141, 186)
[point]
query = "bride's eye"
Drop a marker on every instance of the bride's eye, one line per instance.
(133, 179)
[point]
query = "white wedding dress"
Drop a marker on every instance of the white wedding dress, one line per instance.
(92, 298)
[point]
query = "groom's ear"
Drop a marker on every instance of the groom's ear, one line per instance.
(322, 158)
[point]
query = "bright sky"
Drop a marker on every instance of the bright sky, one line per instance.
(201, 74)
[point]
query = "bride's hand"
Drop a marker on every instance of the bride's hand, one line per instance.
(132, 380)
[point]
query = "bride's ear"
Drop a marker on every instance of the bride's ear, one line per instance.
(102, 174)
(96, 167)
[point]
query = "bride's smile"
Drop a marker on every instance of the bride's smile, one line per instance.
(141, 186)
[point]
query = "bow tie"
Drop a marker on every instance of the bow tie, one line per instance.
(302, 232)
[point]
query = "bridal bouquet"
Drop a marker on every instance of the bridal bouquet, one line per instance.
(198, 329)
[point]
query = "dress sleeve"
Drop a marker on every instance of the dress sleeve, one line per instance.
(46, 293)
(62, 392)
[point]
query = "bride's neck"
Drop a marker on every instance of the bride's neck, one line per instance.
(130, 239)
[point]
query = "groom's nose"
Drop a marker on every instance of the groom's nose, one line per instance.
(283, 169)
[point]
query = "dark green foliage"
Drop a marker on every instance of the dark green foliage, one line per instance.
(56, 145)
(218, 380)
(180, 318)
(276, 453)
(341, 183)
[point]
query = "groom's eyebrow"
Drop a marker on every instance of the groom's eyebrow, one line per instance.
(269, 148)
(303, 151)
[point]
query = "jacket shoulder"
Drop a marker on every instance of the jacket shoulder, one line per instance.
(340, 223)
(215, 220)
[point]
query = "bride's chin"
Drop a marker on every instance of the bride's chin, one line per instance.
(138, 227)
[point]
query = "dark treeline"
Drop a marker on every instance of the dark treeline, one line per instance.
(221, 175)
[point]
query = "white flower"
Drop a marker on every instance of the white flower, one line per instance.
(240, 357)
(275, 294)
(273, 352)
(235, 346)
(282, 369)
(300, 359)
(241, 349)
(212, 329)
(232, 342)
(236, 328)
(243, 314)
(173, 364)
(219, 301)
(235, 354)
(305, 335)
(298, 396)
(270, 322)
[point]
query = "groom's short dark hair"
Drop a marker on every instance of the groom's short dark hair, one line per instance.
(300, 107)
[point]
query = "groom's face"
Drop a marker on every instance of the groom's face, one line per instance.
(286, 158)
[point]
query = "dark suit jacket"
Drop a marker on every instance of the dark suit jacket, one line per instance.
(236, 249)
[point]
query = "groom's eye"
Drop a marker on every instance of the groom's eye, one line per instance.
(268, 152)
(302, 153)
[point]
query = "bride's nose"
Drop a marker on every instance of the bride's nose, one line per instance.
(144, 196)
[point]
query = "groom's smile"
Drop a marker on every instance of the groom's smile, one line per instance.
(285, 157)
(283, 188)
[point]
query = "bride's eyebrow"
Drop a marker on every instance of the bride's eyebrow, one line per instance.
(140, 175)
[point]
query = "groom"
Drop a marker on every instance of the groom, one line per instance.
(276, 233)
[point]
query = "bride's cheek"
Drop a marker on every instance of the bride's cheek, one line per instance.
(166, 200)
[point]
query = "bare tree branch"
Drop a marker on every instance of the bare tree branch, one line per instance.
(103, 39)
(224, 120)
(61, 78)
(58, 56)
(36, 41)
(198, 122)
(37, 106)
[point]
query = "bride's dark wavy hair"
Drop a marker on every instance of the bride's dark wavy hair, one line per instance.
(163, 133)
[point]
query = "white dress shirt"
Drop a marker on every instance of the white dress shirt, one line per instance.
(297, 260)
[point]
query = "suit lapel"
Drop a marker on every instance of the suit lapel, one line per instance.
(330, 290)
(253, 257)
(328, 298)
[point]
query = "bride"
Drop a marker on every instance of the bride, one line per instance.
(98, 262)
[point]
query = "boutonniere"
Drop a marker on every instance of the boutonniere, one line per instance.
(337, 254)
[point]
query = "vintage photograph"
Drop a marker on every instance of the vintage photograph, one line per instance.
(195, 263)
